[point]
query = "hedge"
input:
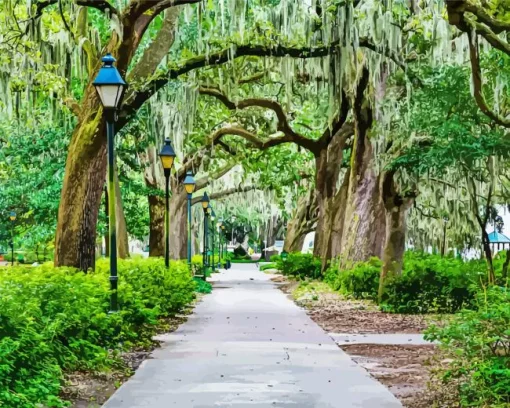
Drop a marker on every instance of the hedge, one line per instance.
(54, 320)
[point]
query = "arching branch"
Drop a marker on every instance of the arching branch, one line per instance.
(225, 193)
(219, 58)
(290, 136)
(476, 73)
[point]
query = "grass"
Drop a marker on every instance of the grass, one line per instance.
(311, 288)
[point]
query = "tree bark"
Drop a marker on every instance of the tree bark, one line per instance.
(364, 215)
(396, 208)
(122, 233)
(178, 224)
(86, 159)
(301, 223)
(156, 226)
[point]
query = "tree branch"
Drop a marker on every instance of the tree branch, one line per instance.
(225, 193)
(476, 73)
(100, 5)
(222, 57)
(204, 181)
(283, 122)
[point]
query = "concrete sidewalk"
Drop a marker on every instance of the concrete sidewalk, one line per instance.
(248, 345)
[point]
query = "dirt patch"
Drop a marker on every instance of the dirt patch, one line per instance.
(403, 369)
(92, 390)
(344, 316)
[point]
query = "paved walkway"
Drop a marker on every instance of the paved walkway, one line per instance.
(248, 346)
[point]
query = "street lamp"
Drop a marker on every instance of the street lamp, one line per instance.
(205, 207)
(111, 87)
(218, 228)
(224, 243)
(189, 185)
(12, 217)
(233, 221)
(211, 231)
(167, 156)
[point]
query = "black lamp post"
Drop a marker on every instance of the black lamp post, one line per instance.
(205, 207)
(167, 156)
(224, 242)
(12, 217)
(233, 227)
(189, 185)
(111, 87)
(211, 231)
(218, 229)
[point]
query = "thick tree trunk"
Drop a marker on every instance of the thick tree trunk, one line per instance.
(157, 226)
(330, 199)
(301, 223)
(81, 193)
(86, 159)
(178, 225)
(364, 216)
(122, 233)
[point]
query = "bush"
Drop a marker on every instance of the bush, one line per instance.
(430, 283)
(362, 281)
(478, 345)
(240, 253)
(299, 265)
(56, 319)
(268, 266)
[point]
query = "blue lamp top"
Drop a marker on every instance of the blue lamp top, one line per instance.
(189, 178)
(167, 150)
(108, 74)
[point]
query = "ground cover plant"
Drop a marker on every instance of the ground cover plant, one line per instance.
(476, 348)
(54, 320)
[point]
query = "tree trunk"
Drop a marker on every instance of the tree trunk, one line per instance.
(364, 214)
(330, 200)
(81, 192)
(488, 255)
(86, 158)
(178, 225)
(301, 223)
(157, 226)
(122, 233)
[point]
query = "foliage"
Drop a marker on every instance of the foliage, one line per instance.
(430, 283)
(361, 281)
(56, 319)
(270, 265)
(478, 344)
(202, 286)
(299, 265)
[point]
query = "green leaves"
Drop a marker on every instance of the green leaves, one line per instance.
(56, 319)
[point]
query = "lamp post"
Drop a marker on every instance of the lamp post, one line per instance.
(224, 241)
(205, 206)
(189, 185)
(211, 231)
(111, 87)
(218, 228)
(12, 217)
(167, 156)
(233, 221)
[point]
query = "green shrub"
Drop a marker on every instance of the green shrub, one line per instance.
(362, 281)
(202, 286)
(430, 283)
(240, 253)
(56, 319)
(300, 265)
(477, 343)
(268, 266)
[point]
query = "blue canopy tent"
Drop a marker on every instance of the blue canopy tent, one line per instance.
(498, 238)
